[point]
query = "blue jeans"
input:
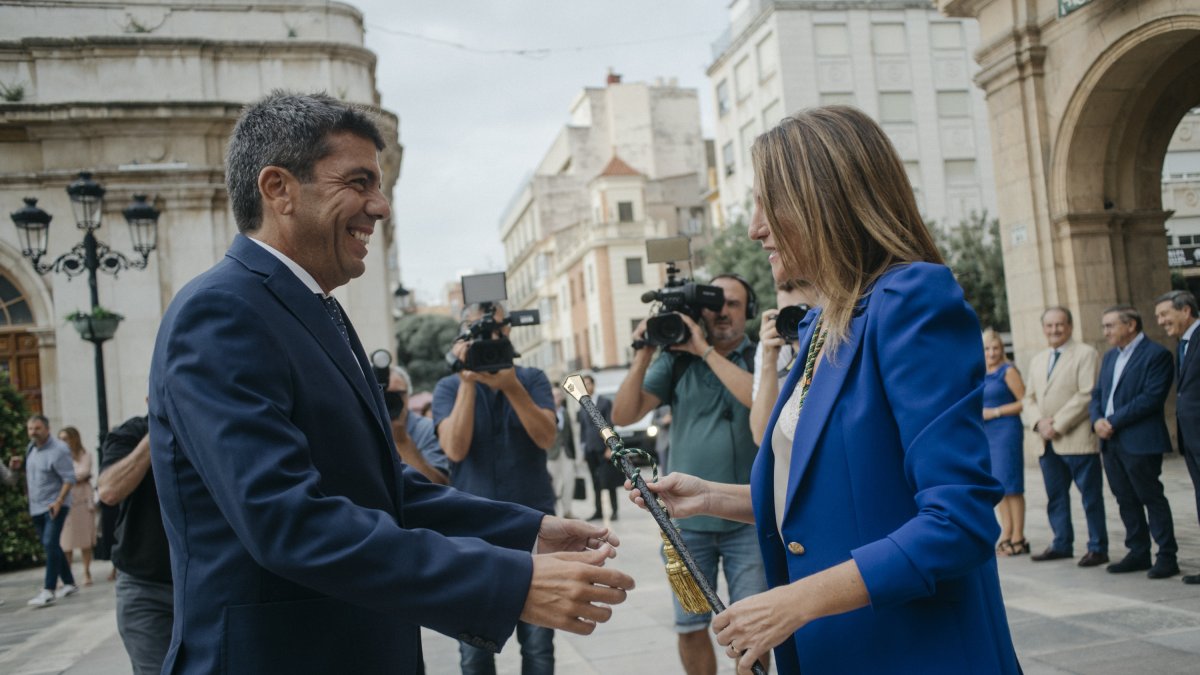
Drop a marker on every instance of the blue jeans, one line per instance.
(740, 556)
(537, 653)
(1059, 471)
(50, 530)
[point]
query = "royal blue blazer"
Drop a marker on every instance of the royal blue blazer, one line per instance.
(299, 542)
(890, 468)
(1139, 403)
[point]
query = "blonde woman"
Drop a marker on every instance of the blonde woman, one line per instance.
(871, 491)
(79, 531)
(1003, 390)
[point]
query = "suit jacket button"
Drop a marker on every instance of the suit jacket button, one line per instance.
(795, 548)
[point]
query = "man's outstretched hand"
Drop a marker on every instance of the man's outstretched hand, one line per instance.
(573, 591)
(566, 534)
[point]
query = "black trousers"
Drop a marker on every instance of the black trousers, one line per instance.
(1135, 483)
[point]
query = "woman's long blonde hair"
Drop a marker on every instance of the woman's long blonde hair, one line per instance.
(839, 205)
(74, 442)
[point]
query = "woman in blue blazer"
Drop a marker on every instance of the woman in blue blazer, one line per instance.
(871, 492)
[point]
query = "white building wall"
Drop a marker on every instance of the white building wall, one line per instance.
(846, 53)
(150, 111)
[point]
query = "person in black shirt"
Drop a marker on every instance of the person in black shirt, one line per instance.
(145, 602)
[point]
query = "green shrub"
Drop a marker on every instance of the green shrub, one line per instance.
(19, 545)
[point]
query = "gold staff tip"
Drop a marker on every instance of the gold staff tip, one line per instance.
(574, 386)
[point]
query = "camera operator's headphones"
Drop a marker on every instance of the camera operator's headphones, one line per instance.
(751, 296)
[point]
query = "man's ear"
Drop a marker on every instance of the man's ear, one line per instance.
(278, 189)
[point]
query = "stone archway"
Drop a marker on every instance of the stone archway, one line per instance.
(27, 331)
(1105, 177)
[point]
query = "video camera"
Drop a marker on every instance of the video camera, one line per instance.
(489, 350)
(679, 296)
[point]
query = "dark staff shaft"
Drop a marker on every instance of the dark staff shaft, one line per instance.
(660, 516)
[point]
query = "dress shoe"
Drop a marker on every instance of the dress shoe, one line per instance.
(596, 516)
(1050, 554)
(1130, 563)
(1191, 579)
(1163, 568)
(1092, 559)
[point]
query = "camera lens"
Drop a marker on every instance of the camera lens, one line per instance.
(788, 321)
(666, 329)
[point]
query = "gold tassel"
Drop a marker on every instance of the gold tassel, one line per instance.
(682, 583)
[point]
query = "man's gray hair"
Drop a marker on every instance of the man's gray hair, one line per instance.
(477, 308)
(290, 131)
(1179, 300)
(1059, 308)
(404, 376)
(1127, 314)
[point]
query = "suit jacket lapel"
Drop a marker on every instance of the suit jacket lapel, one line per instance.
(826, 386)
(1131, 366)
(308, 310)
(1188, 357)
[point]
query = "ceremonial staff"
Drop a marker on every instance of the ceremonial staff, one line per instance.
(689, 583)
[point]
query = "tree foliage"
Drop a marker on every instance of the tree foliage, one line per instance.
(732, 251)
(972, 250)
(422, 341)
(19, 545)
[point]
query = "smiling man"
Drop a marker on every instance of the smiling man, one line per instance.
(299, 540)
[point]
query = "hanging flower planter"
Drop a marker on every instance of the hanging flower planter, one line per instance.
(97, 326)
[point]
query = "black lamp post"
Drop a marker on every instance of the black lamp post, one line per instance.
(87, 201)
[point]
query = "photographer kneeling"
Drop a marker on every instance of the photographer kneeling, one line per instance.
(496, 430)
(707, 380)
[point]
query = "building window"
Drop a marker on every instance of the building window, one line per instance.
(625, 212)
(837, 99)
(747, 134)
(945, 35)
(743, 78)
(591, 279)
(953, 104)
(960, 172)
(767, 59)
(831, 39)
(895, 107)
(889, 38)
(722, 98)
(727, 157)
(772, 114)
(633, 271)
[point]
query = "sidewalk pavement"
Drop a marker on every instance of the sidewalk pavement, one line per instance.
(1064, 619)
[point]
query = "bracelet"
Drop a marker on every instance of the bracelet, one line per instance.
(704, 356)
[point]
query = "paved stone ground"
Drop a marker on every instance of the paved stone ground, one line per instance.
(1064, 619)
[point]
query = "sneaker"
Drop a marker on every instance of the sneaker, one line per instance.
(43, 598)
(67, 589)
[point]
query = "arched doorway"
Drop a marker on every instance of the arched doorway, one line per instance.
(1105, 178)
(18, 345)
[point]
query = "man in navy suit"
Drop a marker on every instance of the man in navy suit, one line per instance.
(1177, 313)
(1127, 415)
(299, 542)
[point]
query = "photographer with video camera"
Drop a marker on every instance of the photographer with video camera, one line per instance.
(706, 377)
(496, 421)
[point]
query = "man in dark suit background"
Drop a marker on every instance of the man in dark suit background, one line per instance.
(1177, 312)
(299, 541)
(1127, 414)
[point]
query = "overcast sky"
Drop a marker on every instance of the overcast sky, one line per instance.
(475, 121)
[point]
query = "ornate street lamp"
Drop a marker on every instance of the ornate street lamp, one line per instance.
(90, 255)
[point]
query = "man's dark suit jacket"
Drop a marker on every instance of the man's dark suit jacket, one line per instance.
(1138, 404)
(1187, 407)
(299, 542)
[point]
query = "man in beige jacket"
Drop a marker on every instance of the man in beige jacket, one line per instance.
(1058, 429)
